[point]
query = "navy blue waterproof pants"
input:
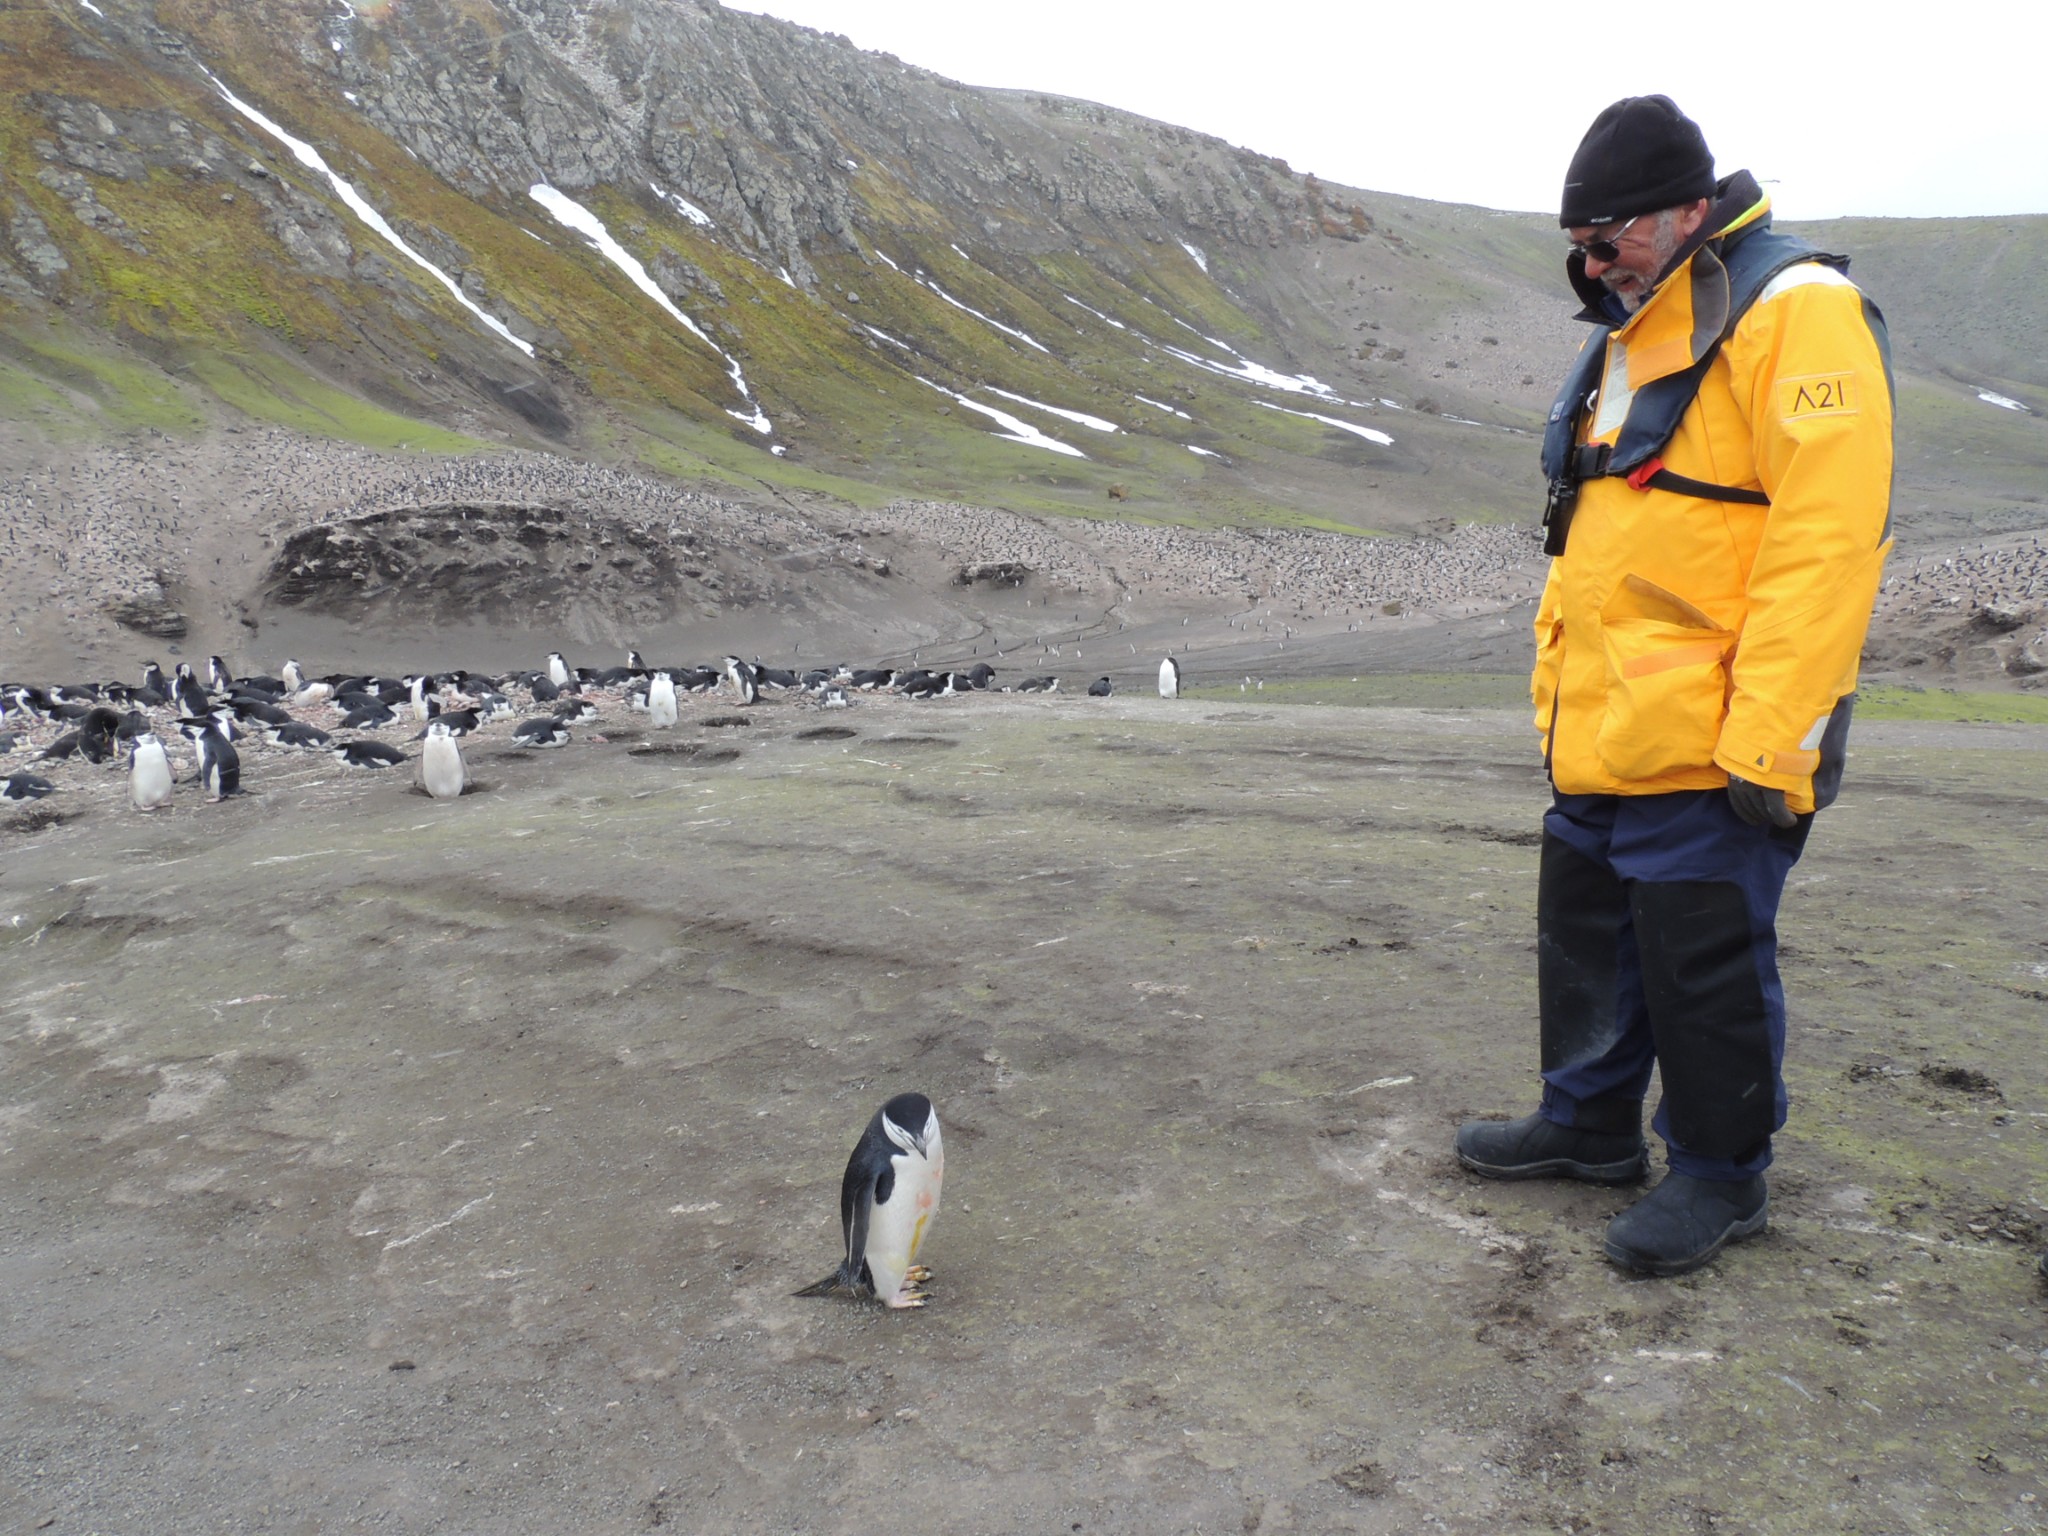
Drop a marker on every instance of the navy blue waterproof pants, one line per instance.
(1657, 945)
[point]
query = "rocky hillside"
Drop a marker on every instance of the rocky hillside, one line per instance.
(738, 250)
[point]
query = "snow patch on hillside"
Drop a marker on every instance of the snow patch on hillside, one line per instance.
(312, 160)
(573, 215)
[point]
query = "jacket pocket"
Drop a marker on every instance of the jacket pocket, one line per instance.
(1667, 683)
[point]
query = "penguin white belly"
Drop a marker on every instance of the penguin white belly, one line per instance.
(149, 776)
(441, 771)
(661, 703)
(896, 1229)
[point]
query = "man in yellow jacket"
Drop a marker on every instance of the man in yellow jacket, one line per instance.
(1720, 465)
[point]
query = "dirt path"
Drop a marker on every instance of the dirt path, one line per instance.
(447, 1167)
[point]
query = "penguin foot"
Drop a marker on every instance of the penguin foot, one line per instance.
(909, 1296)
(917, 1274)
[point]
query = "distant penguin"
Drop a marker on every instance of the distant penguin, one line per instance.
(541, 732)
(1039, 685)
(149, 773)
(661, 701)
(743, 679)
(460, 722)
(368, 717)
(1169, 679)
(367, 754)
(1099, 689)
(441, 770)
(420, 685)
(294, 677)
(216, 671)
(185, 690)
(558, 669)
(251, 708)
(886, 1204)
(20, 787)
(313, 693)
(306, 738)
(220, 766)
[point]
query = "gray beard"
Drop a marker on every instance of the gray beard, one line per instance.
(1664, 244)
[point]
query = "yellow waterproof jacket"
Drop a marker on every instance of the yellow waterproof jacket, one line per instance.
(1681, 640)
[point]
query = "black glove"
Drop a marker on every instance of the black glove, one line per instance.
(1758, 806)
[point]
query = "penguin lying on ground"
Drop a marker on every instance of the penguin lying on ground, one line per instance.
(1100, 688)
(366, 754)
(886, 1204)
(24, 787)
(541, 732)
(306, 738)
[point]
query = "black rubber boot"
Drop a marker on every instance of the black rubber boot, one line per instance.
(1535, 1148)
(1684, 1222)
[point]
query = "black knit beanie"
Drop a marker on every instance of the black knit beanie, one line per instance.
(1641, 154)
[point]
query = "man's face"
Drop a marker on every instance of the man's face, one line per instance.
(1644, 247)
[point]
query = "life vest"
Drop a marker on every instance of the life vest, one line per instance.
(1655, 410)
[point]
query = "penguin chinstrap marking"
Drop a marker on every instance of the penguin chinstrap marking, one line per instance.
(441, 771)
(886, 1204)
(1169, 679)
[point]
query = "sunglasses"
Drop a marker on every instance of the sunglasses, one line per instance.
(1607, 250)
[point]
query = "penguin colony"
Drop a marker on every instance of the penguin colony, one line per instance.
(221, 715)
(81, 524)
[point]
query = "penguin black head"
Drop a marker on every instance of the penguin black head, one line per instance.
(907, 1120)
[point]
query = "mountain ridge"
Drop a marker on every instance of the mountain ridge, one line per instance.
(921, 288)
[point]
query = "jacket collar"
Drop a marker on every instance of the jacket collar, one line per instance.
(1687, 311)
(1739, 207)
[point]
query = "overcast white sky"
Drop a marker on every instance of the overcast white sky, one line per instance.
(1879, 109)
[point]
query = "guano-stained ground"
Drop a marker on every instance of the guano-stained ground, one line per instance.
(378, 1163)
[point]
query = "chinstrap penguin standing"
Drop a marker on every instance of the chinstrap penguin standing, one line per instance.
(886, 1204)
(661, 701)
(220, 766)
(441, 770)
(1169, 679)
(744, 679)
(149, 773)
